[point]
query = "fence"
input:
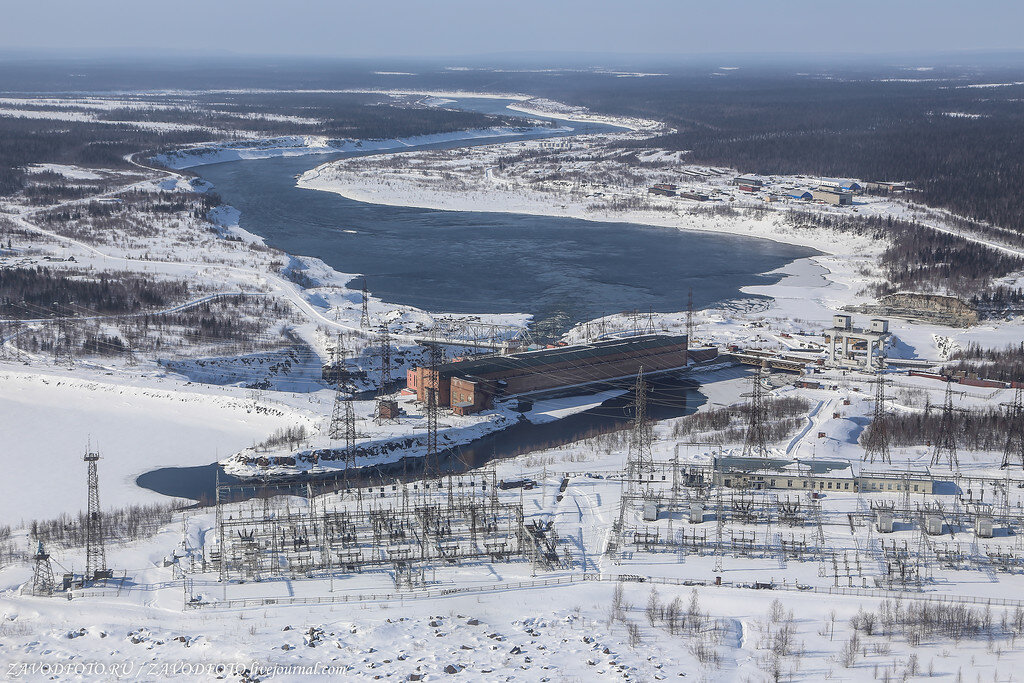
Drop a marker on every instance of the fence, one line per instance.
(580, 578)
(387, 597)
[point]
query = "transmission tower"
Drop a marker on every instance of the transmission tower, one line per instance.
(95, 553)
(130, 339)
(434, 359)
(878, 445)
(639, 460)
(945, 444)
(62, 350)
(689, 317)
(42, 573)
(1014, 449)
(386, 408)
(756, 441)
(343, 417)
(364, 320)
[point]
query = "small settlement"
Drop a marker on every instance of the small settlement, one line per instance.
(707, 186)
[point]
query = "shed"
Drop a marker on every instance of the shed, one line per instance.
(696, 512)
(650, 512)
(983, 527)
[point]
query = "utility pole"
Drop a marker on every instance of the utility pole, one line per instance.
(945, 444)
(689, 317)
(95, 553)
(717, 478)
(364, 320)
(878, 444)
(756, 441)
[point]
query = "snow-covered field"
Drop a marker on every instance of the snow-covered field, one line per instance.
(135, 428)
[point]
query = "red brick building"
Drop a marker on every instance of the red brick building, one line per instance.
(471, 385)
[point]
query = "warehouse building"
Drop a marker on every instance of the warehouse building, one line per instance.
(835, 197)
(813, 475)
(748, 183)
(469, 386)
(839, 185)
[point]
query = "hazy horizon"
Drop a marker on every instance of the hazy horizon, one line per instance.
(645, 30)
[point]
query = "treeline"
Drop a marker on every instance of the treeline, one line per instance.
(350, 115)
(974, 430)
(860, 128)
(28, 293)
(120, 525)
(776, 123)
(728, 424)
(1005, 365)
(32, 141)
(241, 321)
(925, 260)
(222, 116)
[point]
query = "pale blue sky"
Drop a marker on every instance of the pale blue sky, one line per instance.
(369, 28)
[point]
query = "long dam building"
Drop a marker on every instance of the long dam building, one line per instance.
(471, 385)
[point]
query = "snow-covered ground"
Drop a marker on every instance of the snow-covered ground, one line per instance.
(483, 620)
(50, 418)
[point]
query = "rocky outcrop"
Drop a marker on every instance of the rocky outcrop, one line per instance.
(933, 308)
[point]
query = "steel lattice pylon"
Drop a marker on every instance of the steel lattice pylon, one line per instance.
(639, 460)
(945, 444)
(1014, 449)
(42, 573)
(95, 553)
(434, 359)
(383, 406)
(756, 441)
(878, 445)
(343, 417)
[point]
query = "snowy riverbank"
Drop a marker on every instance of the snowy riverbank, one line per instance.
(307, 145)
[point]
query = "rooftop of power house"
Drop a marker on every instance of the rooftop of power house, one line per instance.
(562, 354)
